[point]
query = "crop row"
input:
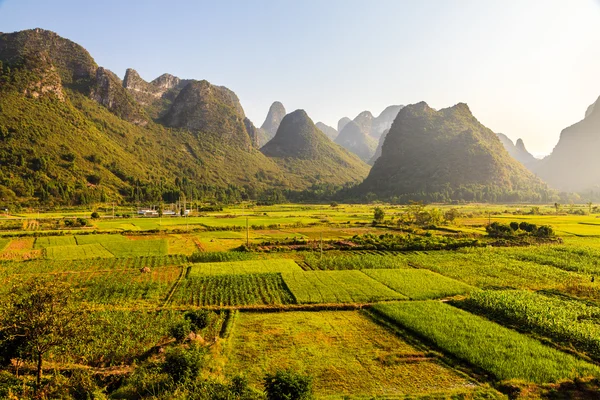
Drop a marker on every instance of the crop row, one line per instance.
(233, 290)
(356, 261)
(55, 266)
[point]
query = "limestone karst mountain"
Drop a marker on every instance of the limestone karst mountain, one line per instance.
(574, 164)
(306, 154)
(329, 131)
(342, 123)
(361, 135)
(89, 136)
(518, 151)
(447, 155)
(273, 119)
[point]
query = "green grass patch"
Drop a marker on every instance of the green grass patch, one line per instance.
(337, 287)
(500, 351)
(4, 243)
(74, 252)
(346, 353)
(419, 284)
(245, 267)
(233, 290)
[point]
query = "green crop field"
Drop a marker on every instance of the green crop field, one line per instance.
(102, 238)
(346, 353)
(51, 241)
(232, 290)
(138, 248)
(245, 267)
(419, 284)
(337, 287)
(566, 321)
(502, 352)
(341, 261)
(75, 252)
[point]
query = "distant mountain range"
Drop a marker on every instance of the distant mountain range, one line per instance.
(73, 132)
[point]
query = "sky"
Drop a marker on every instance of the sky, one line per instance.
(526, 68)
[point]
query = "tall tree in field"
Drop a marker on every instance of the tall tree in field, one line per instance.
(37, 317)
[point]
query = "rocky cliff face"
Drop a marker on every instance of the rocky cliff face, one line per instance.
(591, 108)
(329, 131)
(108, 90)
(212, 110)
(274, 118)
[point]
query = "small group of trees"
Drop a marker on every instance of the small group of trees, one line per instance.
(417, 214)
(499, 230)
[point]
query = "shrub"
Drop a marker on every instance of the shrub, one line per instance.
(95, 215)
(180, 330)
(183, 364)
(198, 319)
(288, 385)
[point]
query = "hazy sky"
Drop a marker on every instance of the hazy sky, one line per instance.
(527, 68)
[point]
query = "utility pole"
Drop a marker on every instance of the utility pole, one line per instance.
(113, 204)
(247, 233)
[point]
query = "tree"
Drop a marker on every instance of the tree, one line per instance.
(288, 385)
(38, 316)
(378, 215)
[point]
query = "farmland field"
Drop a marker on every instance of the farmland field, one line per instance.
(502, 352)
(75, 252)
(419, 284)
(337, 287)
(245, 267)
(507, 317)
(566, 321)
(233, 290)
(346, 353)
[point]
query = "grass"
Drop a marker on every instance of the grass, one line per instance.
(568, 322)
(314, 287)
(74, 252)
(4, 244)
(346, 353)
(419, 284)
(245, 267)
(500, 351)
(233, 290)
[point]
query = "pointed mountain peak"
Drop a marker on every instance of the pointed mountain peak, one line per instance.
(274, 118)
(520, 145)
(166, 81)
(342, 123)
(133, 80)
(307, 154)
